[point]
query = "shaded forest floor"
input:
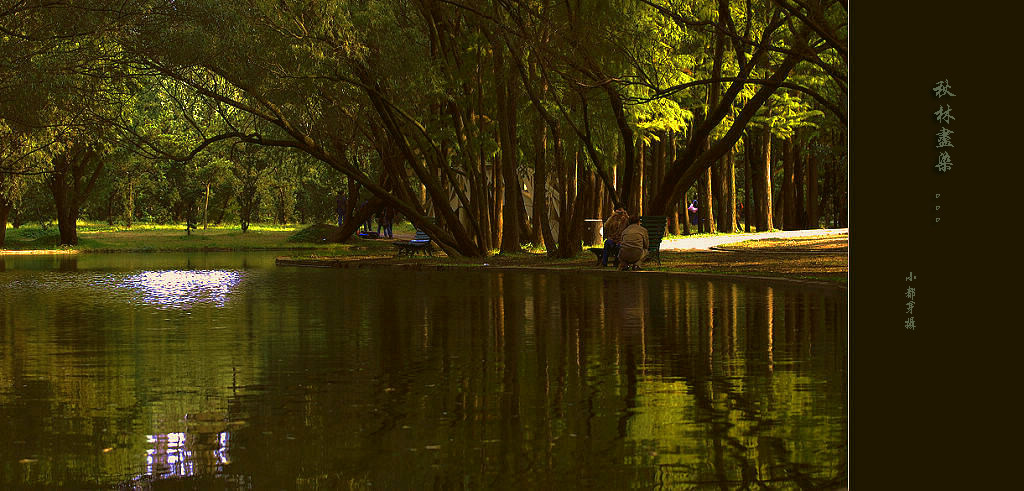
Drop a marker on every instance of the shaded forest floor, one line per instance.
(819, 259)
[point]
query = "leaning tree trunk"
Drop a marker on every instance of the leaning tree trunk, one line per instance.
(358, 217)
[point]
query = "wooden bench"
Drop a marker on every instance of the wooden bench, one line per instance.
(420, 243)
(655, 226)
(613, 255)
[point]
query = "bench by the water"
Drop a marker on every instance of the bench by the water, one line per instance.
(613, 254)
(420, 243)
(655, 226)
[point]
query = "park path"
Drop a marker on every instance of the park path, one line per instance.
(705, 243)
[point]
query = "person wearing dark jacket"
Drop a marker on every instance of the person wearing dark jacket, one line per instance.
(613, 228)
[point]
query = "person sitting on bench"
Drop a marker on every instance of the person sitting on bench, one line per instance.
(635, 243)
(613, 228)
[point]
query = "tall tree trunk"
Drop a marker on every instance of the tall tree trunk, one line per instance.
(798, 181)
(685, 215)
(777, 205)
(658, 169)
(497, 213)
(713, 179)
(484, 205)
(674, 215)
(636, 200)
(705, 203)
(567, 207)
(729, 217)
(579, 211)
(5, 211)
(748, 180)
(841, 173)
(705, 210)
(523, 218)
(598, 194)
(129, 209)
(788, 186)
(206, 206)
(764, 222)
(812, 191)
(718, 193)
(506, 101)
(540, 191)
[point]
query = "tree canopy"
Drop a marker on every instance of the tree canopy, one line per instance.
(444, 110)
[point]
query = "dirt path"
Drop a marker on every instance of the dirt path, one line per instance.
(705, 243)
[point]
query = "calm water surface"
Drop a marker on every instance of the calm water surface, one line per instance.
(223, 370)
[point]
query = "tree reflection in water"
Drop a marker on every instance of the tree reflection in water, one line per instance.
(353, 378)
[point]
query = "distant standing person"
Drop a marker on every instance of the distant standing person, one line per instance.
(635, 242)
(613, 228)
(693, 212)
(385, 219)
(339, 207)
(367, 224)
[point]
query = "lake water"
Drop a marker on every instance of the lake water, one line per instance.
(222, 370)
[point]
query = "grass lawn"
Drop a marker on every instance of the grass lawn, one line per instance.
(821, 243)
(100, 237)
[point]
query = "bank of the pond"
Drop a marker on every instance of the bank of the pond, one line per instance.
(149, 237)
(818, 266)
(823, 269)
(102, 238)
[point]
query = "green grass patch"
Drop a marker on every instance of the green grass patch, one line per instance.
(101, 237)
(817, 243)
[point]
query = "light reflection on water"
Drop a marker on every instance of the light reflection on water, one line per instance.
(175, 455)
(180, 289)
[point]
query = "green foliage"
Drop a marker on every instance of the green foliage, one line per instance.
(280, 96)
(785, 114)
